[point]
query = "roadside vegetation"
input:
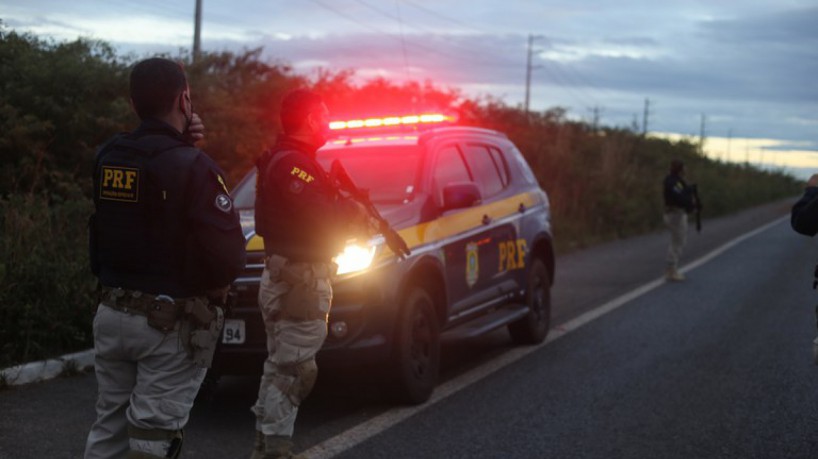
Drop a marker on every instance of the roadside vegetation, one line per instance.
(58, 101)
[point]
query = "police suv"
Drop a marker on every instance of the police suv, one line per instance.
(478, 227)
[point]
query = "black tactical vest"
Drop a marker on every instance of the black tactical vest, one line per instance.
(266, 215)
(138, 230)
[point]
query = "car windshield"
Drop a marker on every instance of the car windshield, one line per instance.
(387, 172)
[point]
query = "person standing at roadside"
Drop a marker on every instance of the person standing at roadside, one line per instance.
(304, 223)
(165, 243)
(804, 220)
(679, 198)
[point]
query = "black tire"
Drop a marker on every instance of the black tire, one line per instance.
(416, 354)
(533, 328)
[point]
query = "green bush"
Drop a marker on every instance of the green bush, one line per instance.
(46, 288)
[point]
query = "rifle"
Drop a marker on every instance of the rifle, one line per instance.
(343, 182)
(698, 202)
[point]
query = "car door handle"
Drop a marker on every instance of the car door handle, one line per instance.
(486, 219)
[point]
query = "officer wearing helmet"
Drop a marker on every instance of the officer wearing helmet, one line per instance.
(304, 223)
(679, 200)
(165, 242)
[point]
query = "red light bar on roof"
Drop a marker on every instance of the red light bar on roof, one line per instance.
(409, 120)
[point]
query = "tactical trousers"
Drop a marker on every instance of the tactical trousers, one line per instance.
(144, 378)
(676, 223)
(292, 342)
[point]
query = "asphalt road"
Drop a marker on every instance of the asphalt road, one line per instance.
(718, 366)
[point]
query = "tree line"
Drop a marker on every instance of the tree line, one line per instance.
(60, 100)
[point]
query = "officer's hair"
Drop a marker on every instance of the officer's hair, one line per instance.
(296, 106)
(155, 85)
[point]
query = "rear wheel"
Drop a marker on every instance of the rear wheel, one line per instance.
(533, 328)
(416, 358)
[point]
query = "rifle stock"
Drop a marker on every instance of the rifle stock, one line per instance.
(343, 182)
(698, 209)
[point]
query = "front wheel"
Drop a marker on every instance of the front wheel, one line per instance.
(416, 357)
(533, 328)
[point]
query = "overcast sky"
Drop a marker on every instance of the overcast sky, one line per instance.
(749, 66)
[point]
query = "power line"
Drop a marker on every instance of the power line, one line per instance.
(416, 45)
(427, 31)
(556, 74)
(444, 17)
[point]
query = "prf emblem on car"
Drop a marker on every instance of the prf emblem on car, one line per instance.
(119, 184)
(472, 264)
(512, 254)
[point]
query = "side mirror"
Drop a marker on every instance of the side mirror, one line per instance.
(460, 195)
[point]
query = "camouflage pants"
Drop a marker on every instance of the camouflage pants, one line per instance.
(145, 378)
(292, 342)
(676, 223)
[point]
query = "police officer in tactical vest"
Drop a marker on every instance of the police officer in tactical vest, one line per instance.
(304, 223)
(680, 199)
(165, 242)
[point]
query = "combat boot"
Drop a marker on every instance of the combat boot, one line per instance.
(258, 446)
(279, 447)
(673, 275)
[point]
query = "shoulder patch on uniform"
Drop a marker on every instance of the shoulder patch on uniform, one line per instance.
(119, 183)
(224, 203)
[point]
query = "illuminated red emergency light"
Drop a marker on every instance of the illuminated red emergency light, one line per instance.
(390, 121)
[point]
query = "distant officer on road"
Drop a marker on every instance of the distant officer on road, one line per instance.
(304, 224)
(165, 242)
(679, 200)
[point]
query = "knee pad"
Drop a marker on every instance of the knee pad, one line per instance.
(305, 375)
(154, 443)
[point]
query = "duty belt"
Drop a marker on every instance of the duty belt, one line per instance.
(319, 269)
(135, 301)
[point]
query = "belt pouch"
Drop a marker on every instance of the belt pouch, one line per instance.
(162, 314)
(301, 302)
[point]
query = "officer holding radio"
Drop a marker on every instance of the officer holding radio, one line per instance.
(680, 199)
(165, 242)
(304, 223)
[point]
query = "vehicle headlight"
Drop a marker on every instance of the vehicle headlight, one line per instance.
(357, 256)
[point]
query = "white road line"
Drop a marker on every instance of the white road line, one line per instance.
(358, 434)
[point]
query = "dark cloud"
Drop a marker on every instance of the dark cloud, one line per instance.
(789, 27)
(753, 73)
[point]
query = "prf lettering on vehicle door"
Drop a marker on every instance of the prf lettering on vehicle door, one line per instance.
(119, 184)
(512, 254)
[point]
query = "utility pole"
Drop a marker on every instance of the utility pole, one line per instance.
(528, 68)
(701, 134)
(197, 32)
(645, 116)
(595, 119)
